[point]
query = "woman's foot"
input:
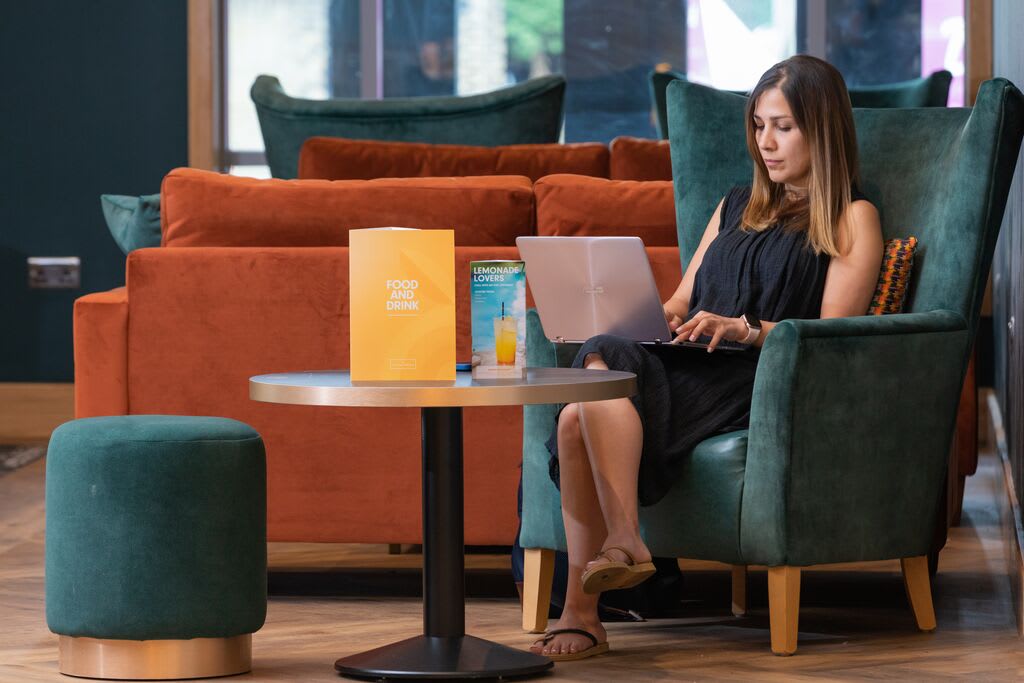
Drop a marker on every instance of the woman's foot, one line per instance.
(618, 566)
(615, 551)
(576, 645)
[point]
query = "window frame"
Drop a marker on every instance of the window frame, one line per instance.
(207, 80)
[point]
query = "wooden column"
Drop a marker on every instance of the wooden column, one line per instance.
(204, 84)
(978, 57)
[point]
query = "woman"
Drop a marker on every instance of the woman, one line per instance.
(801, 242)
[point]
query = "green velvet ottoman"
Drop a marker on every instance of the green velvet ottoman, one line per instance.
(156, 555)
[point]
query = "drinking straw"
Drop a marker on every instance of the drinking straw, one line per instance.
(502, 310)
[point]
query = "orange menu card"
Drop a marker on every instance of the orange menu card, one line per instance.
(402, 301)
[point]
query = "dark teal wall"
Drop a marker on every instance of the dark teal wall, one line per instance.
(94, 101)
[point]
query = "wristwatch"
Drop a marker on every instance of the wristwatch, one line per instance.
(753, 324)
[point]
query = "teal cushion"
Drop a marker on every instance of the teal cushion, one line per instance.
(134, 222)
(155, 528)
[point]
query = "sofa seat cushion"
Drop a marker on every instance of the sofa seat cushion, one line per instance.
(342, 159)
(640, 159)
(702, 510)
(204, 209)
(575, 205)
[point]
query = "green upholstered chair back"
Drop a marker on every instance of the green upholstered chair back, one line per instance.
(929, 91)
(529, 112)
(939, 174)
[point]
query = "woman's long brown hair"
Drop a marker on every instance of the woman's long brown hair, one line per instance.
(820, 103)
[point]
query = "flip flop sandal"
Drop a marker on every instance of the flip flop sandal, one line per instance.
(596, 649)
(613, 575)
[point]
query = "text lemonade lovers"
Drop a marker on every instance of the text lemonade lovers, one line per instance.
(498, 304)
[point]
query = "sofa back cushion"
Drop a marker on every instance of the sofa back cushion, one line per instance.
(341, 159)
(578, 205)
(640, 159)
(204, 209)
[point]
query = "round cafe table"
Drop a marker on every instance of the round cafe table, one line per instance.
(444, 650)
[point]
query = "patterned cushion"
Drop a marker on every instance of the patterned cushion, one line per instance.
(894, 277)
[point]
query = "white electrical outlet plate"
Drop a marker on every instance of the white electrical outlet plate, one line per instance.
(54, 272)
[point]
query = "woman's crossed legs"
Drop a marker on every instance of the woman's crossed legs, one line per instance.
(599, 445)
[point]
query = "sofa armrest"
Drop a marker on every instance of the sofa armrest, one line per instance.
(541, 504)
(850, 428)
(101, 353)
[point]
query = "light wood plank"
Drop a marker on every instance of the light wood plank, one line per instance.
(978, 46)
(204, 139)
(784, 608)
(538, 571)
(29, 411)
(919, 590)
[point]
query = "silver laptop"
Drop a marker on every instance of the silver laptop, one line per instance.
(585, 286)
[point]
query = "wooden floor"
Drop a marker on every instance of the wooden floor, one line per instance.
(854, 625)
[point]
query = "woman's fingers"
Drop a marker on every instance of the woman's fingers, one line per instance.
(684, 329)
(702, 328)
(717, 337)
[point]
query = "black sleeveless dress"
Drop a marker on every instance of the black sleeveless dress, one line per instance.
(687, 395)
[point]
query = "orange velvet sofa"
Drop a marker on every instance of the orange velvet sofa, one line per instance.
(251, 278)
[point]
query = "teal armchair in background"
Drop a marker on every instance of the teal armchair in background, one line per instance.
(529, 112)
(930, 91)
(846, 454)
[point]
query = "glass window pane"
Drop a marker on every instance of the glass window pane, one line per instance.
(873, 42)
(730, 43)
(610, 48)
(343, 59)
(250, 171)
(283, 39)
(942, 43)
(419, 48)
(501, 43)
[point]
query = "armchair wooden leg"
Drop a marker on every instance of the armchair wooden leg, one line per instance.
(538, 571)
(919, 590)
(739, 590)
(783, 608)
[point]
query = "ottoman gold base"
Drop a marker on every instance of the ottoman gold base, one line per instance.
(155, 659)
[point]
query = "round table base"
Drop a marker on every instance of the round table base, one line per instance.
(442, 658)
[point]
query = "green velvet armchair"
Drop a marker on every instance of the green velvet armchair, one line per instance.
(529, 112)
(846, 454)
(930, 91)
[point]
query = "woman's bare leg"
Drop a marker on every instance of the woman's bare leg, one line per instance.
(599, 447)
(613, 437)
(584, 533)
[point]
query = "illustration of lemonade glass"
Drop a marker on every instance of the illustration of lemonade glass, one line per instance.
(505, 331)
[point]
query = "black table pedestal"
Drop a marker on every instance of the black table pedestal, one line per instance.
(443, 658)
(444, 650)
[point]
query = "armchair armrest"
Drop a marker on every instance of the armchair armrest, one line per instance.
(850, 428)
(541, 503)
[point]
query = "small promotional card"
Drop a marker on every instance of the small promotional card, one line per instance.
(498, 309)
